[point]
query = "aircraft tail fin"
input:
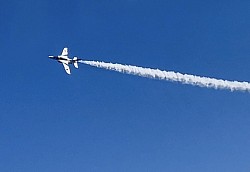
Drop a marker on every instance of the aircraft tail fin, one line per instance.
(75, 62)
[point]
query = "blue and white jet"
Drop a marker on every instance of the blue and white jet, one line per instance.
(65, 60)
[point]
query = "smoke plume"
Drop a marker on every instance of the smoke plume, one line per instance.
(173, 76)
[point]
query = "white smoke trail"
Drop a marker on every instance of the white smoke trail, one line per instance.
(173, 76)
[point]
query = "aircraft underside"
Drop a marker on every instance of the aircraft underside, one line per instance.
(65, 60)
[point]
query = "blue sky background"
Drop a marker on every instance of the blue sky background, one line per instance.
(98, 120)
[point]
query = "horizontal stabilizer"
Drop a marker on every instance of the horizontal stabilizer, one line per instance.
(75, 62)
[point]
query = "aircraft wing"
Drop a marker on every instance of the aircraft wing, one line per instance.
(66, 67)
(65, 52)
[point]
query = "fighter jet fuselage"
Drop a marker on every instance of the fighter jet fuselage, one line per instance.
(65, 60)
(62, 59)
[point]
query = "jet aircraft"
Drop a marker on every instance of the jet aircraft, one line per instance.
(65, 60)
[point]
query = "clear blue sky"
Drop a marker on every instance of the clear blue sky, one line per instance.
(98, 120)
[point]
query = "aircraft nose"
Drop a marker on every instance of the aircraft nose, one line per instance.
(50, 56)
